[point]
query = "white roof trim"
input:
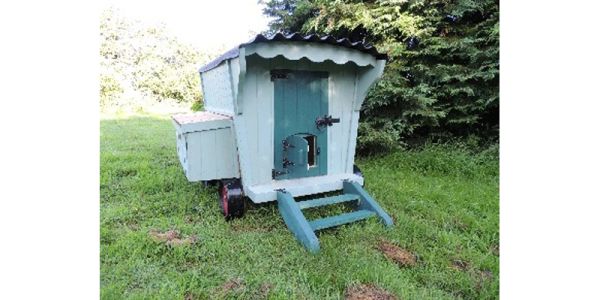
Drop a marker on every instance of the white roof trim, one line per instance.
(312, 51)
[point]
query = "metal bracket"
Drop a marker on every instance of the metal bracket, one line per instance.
(287, 163)
(286, 145)
(275, 173)
(279, 74)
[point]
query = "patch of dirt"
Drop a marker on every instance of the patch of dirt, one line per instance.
(189, 296)
(495, 249)
(133, 226)
(482, 277)
(460, 225)
(460, 265)
(485, 274)
(172, 238)
(368, 292)
(396, 254)
(189, 219)
(233, 284)
(265, 289)
(126, 172)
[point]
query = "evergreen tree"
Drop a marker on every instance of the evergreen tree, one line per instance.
(442, 77)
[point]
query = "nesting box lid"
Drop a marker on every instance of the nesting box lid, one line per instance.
(201, 121)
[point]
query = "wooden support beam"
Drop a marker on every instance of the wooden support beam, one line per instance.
(366, 202)
(296, 222)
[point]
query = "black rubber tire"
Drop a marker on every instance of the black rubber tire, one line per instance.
(358, 172)
(231, 199)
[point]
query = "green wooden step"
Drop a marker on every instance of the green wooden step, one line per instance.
(340, 219)
(304, 230)
(327, 201)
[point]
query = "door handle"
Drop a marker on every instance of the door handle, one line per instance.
(325, 121)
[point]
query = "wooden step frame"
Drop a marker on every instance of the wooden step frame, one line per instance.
(304, 230)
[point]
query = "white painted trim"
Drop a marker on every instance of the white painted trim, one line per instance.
(365, 80)
(300, 186)
(313, 52)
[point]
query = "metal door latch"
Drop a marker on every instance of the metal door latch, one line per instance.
(325, 121)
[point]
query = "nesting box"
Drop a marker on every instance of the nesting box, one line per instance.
(280, 121)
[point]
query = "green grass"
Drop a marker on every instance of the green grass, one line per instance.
(443, 198)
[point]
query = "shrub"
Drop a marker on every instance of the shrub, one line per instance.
(197, 106)
(442, 77)
(142, 66)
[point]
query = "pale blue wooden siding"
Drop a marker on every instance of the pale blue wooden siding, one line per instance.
(242, 88)
(254, 127)
(235, 76)
(341, 81)
(217, 88)
(207, 154)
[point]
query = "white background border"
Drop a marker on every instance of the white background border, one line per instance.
(49, 158)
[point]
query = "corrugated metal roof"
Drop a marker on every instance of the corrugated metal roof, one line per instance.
(313, 38)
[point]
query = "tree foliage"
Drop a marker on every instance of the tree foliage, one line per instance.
(442, 77)
(141, 66)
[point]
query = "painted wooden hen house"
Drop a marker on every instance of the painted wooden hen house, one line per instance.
(280, 122)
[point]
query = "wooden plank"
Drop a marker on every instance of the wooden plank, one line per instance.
(367, 202)
(299, 186)
(218, 94)
(242, 148)
(352, 141)
(248, 142)
(323, 158)
(194, 158)
(200, 121)
(278, 109)
(336, 103)
(340, 219)
(296, 222)
(340, 106)
(234, 69)
(327, 201)
(231, 155)
(222, 154)
(209, 154)
(264, 113)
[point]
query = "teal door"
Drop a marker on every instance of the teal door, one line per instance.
(300, 145)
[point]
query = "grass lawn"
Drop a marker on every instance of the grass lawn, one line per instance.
(444, 200)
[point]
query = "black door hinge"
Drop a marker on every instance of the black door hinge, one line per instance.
(287, 163)
(286, 145)
(275, 173)
(279, 74)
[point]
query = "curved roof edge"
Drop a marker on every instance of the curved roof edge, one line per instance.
(312, 38)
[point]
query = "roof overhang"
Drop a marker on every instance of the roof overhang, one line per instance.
(296, 46)
(311, 51)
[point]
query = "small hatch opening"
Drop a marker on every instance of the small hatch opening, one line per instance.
(312, 150)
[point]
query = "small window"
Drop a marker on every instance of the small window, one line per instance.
(312, 150)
